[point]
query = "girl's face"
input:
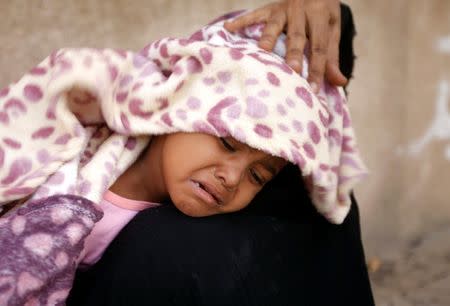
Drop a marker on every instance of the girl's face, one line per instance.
(205, 175)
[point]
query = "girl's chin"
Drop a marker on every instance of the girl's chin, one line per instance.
(192, 209)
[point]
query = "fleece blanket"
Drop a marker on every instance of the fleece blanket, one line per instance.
(75, 122)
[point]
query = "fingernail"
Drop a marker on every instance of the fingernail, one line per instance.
(315, 87)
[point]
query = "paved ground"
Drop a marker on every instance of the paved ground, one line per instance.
(419, 276)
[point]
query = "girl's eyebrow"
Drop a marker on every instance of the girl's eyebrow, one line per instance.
(269, 168)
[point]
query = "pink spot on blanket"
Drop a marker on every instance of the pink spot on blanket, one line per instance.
(74, 232)
(206, 55)
(194, 65)
(281, 110)
(15, 104)
(18, 191)
(136, 86)
(125, 80)
(236, 54)
(177, 70)
(60, 214)
(166, 119)
(181, 114)
(209, 81)
(131, 143)
(219, 89)
(163, 103)
(4, 92)
(27, 282)
(163, 51)
(294, 143)
(338, 106)
(349, 161)
(56, 179)
(12, 143)
(263, 130)
(32, 92)
(323, 119)
(84, 188)
(43, 156)
(113, 72)
(346, 119)
(283, 127)
(4, 118)
(61, 260)
(148, 70)
(290, 102)
(263, 93)
(38, 71)
(135, 109)
(347, 144)
(273, 79)
(202, 127)
(40, 244)
(303, 94)
(125, 121)
(234, 111)
(58, 297)
(256, 108)
(121, 96)
(251, 81)
(214, 115)
(309, 150)
(224, 76)
(335, 135)
(298, 158)
(18, 168)
(174, 59)
(18, 224)
(44, 132)
(193, 103)
(314, 132)
(139, 60)
(197, 35)
(121, 53)
(297, 125)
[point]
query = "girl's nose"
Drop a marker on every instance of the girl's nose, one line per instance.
(230, 174)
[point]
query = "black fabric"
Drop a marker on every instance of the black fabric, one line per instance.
(279, 251)
(165, 258)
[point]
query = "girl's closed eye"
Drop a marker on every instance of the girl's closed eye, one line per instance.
(227, 145)
(257, 177)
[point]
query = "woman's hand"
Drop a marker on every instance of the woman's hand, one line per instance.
(318, 21)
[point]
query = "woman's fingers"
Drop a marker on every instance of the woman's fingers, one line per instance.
(318, 18)
(332, 72)
(296, 35)
(257, 16)
(273, 28)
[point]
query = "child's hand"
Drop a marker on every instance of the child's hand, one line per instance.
(318, 21)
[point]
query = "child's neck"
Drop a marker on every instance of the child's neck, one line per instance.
(142, 181)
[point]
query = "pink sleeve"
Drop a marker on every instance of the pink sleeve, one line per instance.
(40, 244)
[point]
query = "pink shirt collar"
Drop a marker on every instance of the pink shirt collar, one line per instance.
(125, 203)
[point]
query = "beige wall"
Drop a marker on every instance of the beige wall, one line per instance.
(402, 74)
